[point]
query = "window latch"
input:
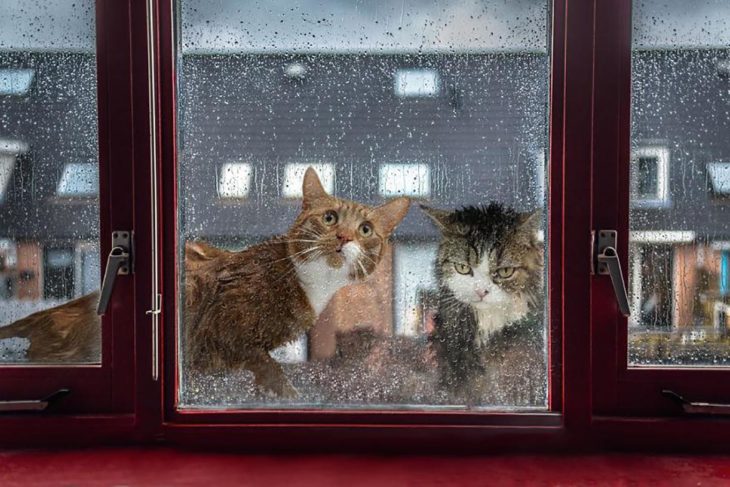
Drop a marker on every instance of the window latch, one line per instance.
(608, 263)
(118, 263)
(33, 404)
(691, 407)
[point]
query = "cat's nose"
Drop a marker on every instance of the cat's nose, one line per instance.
(482, 293)
(344, 238)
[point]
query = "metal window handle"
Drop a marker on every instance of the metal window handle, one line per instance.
(33, 404)
(608, 263)
(119, 262)
(693, 407)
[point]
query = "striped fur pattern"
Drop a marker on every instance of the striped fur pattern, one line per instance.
(489, 267)
(241, 305)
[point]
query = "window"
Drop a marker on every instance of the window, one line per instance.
(7, 163)
(415, 83)
(234, 180)
(78, 180)
(412, 180)
(725, 272)
(15, 81)
(294, 175)
(719, 177)
(676, 265)
(416, 288)
(58, 274)
(9, 149)
(650, 170)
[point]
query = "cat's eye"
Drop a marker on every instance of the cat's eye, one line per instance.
(462, 268)
(329, 218)
(505, 272)
(366, 229)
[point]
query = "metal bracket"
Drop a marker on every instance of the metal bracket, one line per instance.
(608, 263)
(119, 262)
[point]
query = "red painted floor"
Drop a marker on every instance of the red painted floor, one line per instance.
(168, 467)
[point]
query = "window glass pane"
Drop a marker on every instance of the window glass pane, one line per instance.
(49, 253)
(299, 120)
(680, 213)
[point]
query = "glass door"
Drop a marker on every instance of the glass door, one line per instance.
(60, 150)
(675, 177)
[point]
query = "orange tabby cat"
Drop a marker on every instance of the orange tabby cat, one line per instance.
(241, 305)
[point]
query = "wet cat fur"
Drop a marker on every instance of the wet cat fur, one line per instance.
(241, 305)
(69, 333)
(490, 352)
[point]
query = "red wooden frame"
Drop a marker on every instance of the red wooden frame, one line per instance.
(591, 393)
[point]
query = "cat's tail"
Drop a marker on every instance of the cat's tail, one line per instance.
(21, 328)
(54, 317)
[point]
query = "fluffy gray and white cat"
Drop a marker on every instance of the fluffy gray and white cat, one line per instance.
(488, 336)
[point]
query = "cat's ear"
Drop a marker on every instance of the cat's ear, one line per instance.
(442, 218)
(390, 214)
(312, 188)
(531, 223)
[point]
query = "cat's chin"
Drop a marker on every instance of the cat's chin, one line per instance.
(335, 260)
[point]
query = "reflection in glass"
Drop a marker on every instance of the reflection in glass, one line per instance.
(680, 213)
(444, 103)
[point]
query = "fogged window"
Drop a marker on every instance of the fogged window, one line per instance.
(48, 159)
(680, 212)
(443, 103)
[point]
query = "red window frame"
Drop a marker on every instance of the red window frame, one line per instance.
(594, 399)
(352, 427)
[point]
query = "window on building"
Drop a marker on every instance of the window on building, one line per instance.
(294, 175)
(719, 177)
(79, 180)
(725, 273)
(7, 163)
(650, 176)
(234, 180)
(417, 82)
(58, 273)
(412, 180)
(416, 288)
(16, 81)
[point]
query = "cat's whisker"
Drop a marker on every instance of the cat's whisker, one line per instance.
(296, 254)
(364, 272)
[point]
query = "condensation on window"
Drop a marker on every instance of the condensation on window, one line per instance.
(445, 103)
(680, 206)
(49, 252)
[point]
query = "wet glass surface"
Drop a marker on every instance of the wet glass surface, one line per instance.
(49, 252)
(445, 103)
(680, 207)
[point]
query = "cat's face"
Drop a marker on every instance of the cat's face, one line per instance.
(342, 233)
(489, 257)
